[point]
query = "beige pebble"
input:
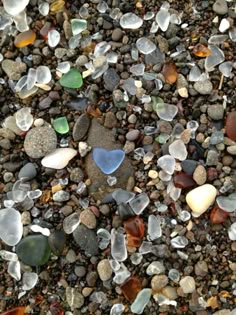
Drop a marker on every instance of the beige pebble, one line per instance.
(88, 218)
(200, 175)
(187, 284)
(104, 270)
(158, 282)
(201, 198)
(185, 136)
(38, 122)
(87, 291)
(153, 174)
(231, 149)
(170, 292)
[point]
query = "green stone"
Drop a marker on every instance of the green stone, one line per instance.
(156, 101)
(72, 79)
(57, 242)
(78, 26)
(34, 250)
(60, 124)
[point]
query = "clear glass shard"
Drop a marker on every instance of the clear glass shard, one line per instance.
(139, 203)
(14, 270)
(179, 242)
(29, 280)
(163, 19)
(130, 21)
(118, 246)
(71, 222)
(167, 164)
(122, 196)
(154, 227)
(145, 45)
(217, 56)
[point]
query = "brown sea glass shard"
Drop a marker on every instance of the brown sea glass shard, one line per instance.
(134, 227)
(169, 72)
(230, 126)
(25, 39)
(201, 50)
(218, 215)
(57, 6)
(20, 310)
(131, 287)
(183, 180)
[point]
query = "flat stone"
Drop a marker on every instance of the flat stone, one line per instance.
(220, 7)
(101, 137)
(200, 175)
(74, 298)
(104, 270)
(86, 240)
(203, 87)
(215, 112)
(201, 198)
(111, 79)
(13, 69)
(34, 250)
(27, 171)
(88, 218)
(57, 242)
(81, 127)
(40, 141)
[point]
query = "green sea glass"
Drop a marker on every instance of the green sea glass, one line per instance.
(60, 125)
(72, 79)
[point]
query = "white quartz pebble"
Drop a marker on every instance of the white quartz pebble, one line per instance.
(59, 158)
(201, 198)
(188, 284)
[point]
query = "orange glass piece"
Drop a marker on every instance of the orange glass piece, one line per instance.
(131, 287)
(45, 197)
(20, 310)
(93, 111)
(218, 215)
(169, 72)
(134, 227)
(201, 50)
(88, 48)
(230, 126)
(25, 39)
(57, 6)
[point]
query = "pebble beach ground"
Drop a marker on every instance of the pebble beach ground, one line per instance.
(117, 157)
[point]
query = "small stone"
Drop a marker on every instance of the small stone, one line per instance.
(61, 196)
(189, 166)
(71, 256)
(212, 158)
(34, 250)
(110, 120)
(59, 158)
(230, 125)
(111, 79)
(74, 298)
(220, 7)
(203, 87)
(7, 134)
(116, 34)
(81, 127)
(88, 218)
(76, 175)
(80, 271)
(7, 177)
(5, 144)
(200, 175)
(201, 268)
(104, 270)
(86, 239)
(158, 282)
(27, 171)
(201, 198)
(231, 149)
(132, 135)
(187, 284)
(13, 69)
(40, 141)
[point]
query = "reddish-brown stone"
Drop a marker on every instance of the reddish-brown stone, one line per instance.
(218, 215)
(134, 228)
(183, 180)
(212, 174)
(131, 287)
(230, 126)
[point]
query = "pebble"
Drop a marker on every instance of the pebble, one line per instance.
(116, 34)
(215, 112)
(80, 271)
(132, 119)
(76, 175)
(220, 7)
(110, 120)
(7, 134)
(5, 144)
(201, 268)
(81, 127)
(231, 149)
(12, 166)
(203, 87)
(187, 284)
(59, 158)
(88, 218)
(212, 158)
(86, 239)
(27, 171)
(91, 278)
(105, 209)
(129, 147)
(200, 175)
(201, 198)
(40, 141)
(152, 174)
(71, 256)
(74, 298)
(189, 166)
(111, 79)
(132, 135)
(57, 241)
(13, 69)
(81, 60)
(104, 270)
(158, 282)
(7, 177)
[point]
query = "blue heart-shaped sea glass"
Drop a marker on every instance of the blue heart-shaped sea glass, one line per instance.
(108, 160)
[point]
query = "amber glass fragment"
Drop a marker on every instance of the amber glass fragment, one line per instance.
(45, 197)
(213, 302)
(57, 6)
(201, 50)
(88, 48)
(134, 227)
(131, 287)
(133, 241)
(20, 310)
(183, 180)
(93, 111)
(230, 126)
(169, 72)
(25, 39)
(218, 215)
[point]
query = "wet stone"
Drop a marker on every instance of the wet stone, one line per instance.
(27, 171)
(40, 141)
(88, 218)
(34, 250)
(86, 240)
(111, 79)
(81, 127)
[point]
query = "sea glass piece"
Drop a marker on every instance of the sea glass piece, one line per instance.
(72, 79)
(194, 74)
(226, 68)
(131, 287)
(167, 163)
(183, 180)
(11, 228)
(232, 34)
(232, 232)
(217, 56)
(78, 26)
(224, 25)
(117, 309)
(174, 275)
(24, 118)
(155, 268)
(14, 7)
(44, 8)
(9, 256)
(21, 22)
(43, 75)
(166, 111)
(121, 274)
(163, 18)
(121, 195)
(14, 270)
(154, 227)
(29, 280)
(138, 69)
(134, 227)
(118, 247)
(19, 310)
(31, 78)
(227, 203)
(25, 39)
(179, 242)
(169, 72)
(71, 222)
(102, 7)
(61, 125)
(177, 149)
(139, 203)
(53, 38)
(130, 21)
(59, 158)
(108, 160)
(145, 45)
(57, 6)
(21, 83)
(201, 50)
(217, 39)
(141, 300)
(64, 67)
(34, 250)
(230, 125)
(218, 215)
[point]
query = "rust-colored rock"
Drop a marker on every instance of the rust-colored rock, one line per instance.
(134, 227)
(25, 39)
(201, 50)
(183, 180)
(131, 287)
(218, 215)
(230, 126)
(169, 72)
(20, 310)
